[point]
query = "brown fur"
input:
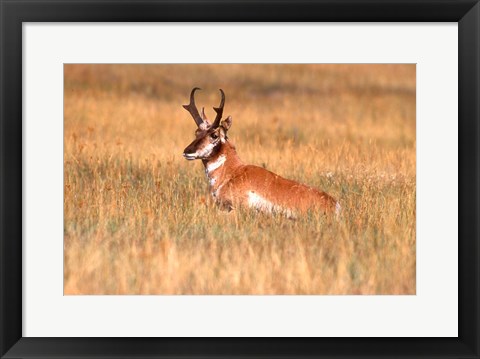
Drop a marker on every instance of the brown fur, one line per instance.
(234, 180)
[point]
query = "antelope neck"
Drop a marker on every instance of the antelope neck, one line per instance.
(215, 164)
(226, 156)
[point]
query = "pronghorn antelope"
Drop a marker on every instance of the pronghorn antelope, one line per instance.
(233, 183)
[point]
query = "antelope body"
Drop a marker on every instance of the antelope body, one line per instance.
(233, 183)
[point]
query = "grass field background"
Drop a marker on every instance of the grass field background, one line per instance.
(138, 218)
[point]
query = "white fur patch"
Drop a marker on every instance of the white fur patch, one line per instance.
(204, 152)
(263, 205)
(204, 125)
(258, 202)
(212, 166)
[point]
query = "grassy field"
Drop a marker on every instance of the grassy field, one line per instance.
(138, 218)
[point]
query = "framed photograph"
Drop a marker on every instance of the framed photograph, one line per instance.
(239, 179)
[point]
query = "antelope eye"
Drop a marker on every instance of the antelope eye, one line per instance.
(214, 135)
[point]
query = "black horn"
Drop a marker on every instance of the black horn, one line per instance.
(219, 111)
(192, 108)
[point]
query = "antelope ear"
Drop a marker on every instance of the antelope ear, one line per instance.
(227, 123)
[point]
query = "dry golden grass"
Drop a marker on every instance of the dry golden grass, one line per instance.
(138, 219)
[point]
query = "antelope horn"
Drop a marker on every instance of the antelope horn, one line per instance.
(219, 111)
(204, 116)
(192, 108)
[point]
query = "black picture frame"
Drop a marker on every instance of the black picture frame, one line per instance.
(15, 12)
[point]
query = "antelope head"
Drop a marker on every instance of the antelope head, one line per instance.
(209, 137)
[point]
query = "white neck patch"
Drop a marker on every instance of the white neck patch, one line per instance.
(212, 166)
